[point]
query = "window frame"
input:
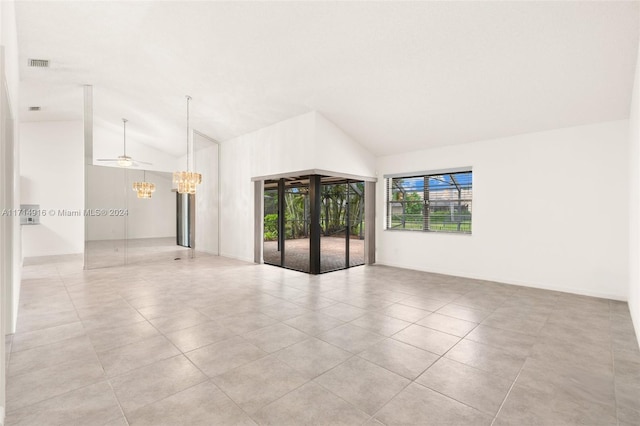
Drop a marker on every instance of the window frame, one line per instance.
(426, 224)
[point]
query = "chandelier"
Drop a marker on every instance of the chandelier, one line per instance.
(187, 180)
(144, 189)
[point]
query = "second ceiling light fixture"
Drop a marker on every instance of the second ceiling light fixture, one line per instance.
(124, 160)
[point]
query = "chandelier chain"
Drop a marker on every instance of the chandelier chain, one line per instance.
(124, 127)
(188, 147)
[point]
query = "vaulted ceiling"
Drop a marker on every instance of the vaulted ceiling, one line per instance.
(396, 76)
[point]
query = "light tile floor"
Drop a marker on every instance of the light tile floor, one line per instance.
(214, 341)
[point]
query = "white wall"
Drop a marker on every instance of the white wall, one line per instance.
(550, 210)
(335, 151)
(9, 188)
(207, 196)
(284, 147)
(236, 194)
(634, 202)
(9, 39)
(52, 176)
(305, 142)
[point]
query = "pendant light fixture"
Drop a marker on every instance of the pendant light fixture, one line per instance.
(144, 188)
(187, 180)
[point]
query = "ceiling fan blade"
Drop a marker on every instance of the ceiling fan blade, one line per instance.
(107, 159)
(144, 162)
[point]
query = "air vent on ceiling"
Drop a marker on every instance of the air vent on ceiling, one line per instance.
(34, 108)
(39, 63)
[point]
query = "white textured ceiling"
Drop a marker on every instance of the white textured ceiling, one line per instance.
(396, 76)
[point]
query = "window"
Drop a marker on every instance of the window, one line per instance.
(430, 202)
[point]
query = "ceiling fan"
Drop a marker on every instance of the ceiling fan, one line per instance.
(124, 160)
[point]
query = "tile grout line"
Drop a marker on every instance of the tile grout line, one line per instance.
(95, 354)
(107, 379)
(210, 379)
(396, 394)
(504, 400)
(613, 366)
(183, 354)
(66, 290)
(250, 415)
(414, 381)
(338, 396)
(523, 364)
(510, 298)
(124, 416)
(411, 381)
(60, 395)
(354, 355)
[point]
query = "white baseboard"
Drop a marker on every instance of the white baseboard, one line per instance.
(571, 290)
(206, 252)
(244, 259)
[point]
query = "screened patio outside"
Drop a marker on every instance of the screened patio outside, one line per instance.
(289, 239)
(437, 202)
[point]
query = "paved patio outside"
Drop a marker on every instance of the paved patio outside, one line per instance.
(332, 253)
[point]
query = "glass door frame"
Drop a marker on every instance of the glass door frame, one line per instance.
(315, 226)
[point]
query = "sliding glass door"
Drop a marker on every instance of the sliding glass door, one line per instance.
(291, 237)
(355, 235)
(296, 226)
(333, 219)
(271, 243)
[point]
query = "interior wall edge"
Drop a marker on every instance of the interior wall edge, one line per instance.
(633, 251)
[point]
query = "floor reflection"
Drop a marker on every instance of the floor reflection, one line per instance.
(105, 253)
